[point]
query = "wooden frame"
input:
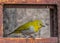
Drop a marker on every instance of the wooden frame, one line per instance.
(51, 40)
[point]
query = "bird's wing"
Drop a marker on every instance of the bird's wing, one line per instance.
(24, 27)
(29, 30)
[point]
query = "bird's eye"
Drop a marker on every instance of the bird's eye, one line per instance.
(41, 24)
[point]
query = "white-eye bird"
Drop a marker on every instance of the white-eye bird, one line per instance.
(29, 28)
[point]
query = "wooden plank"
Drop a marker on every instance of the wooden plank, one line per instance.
(12, 1)
(1, 21)
(23, 40)
(28, 1)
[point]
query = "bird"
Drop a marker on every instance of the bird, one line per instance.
(29, 28)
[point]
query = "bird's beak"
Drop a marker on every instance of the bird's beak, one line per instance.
(43, 25)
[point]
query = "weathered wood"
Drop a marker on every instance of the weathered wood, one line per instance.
(1, 21)
(22, 40)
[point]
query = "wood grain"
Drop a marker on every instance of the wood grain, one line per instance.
(22, 40)
(1, 21)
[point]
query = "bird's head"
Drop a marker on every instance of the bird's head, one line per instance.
(39, 23)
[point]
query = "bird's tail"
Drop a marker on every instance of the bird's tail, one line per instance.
(9, 33)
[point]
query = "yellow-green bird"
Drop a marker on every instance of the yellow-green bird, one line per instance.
(29, 28)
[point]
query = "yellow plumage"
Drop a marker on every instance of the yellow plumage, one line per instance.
(32, 26)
